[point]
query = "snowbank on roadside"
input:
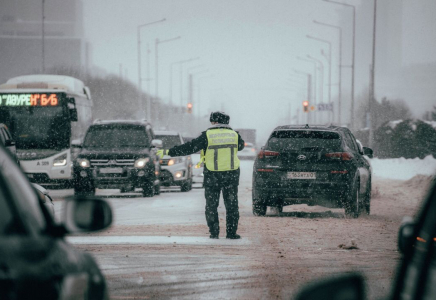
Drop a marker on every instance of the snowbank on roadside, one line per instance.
(402, 168)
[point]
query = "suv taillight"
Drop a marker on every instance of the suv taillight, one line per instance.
(267, 153)
(340, 155)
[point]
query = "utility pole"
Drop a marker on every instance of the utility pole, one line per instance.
(372, 88)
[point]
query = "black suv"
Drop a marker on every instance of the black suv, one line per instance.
(316, 165)
(118, 155)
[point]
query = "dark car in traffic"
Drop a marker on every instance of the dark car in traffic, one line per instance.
(36, 262)
(313, 165)
(118, 155)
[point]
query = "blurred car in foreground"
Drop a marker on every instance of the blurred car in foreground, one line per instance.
(249, 152)
(7, 141)
(313, 165)
(416, 272)
(175, 171)
(35, 260)
(45, 198)
(197, 171)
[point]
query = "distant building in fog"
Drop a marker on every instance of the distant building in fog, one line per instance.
(21, 44)
(406, 61)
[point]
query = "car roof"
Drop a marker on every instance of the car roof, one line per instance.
(120, 122)
(310, 127)
(165, 132)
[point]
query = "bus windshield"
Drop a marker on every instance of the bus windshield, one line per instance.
(38, 127)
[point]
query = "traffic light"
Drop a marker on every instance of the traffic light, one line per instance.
(305, 106)
(189, 108)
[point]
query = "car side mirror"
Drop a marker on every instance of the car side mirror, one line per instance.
(157, 143)
(368, 152)
(350, 287)
(406, 235)
(9, 143)
(86, 214)
(73, 115)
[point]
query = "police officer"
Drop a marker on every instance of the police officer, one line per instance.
(220, 144)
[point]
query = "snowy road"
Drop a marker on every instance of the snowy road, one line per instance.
(159, 248)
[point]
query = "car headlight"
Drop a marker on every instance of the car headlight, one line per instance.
(176, 160)
(141, 162)
(83, 162)
(60, 161)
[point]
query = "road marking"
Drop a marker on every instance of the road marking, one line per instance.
(154, 240)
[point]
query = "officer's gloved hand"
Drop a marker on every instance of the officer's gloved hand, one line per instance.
(162, 152)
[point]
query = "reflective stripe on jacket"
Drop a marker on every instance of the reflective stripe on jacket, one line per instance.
(222, 149)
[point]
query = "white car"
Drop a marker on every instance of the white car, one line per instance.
(249, 152)
(197, 171)
(175, 171)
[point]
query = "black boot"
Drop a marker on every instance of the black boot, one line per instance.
(233, 236)
(214, 236)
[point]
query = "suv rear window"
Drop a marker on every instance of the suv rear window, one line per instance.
(169, 141)
(116, 137)
(304, 140)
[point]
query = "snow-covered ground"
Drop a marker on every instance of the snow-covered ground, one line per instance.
(403, 169)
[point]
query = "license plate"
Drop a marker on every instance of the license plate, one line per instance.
(29, 175)
(301, 175)
(111, 170)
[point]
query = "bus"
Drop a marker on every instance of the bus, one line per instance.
(46, 115)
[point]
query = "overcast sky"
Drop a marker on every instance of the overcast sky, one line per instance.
(249, 49)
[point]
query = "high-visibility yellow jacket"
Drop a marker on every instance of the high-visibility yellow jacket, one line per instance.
(222, 149)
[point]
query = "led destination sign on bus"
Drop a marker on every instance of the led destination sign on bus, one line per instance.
(38, 99)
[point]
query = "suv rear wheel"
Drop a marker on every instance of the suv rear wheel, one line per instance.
(259, 206)
(367, 200)
(352, 201)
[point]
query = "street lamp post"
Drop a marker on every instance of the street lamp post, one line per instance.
(352, 59)
(139, 67)
(156, 51)
(339, 67)
(329, 59)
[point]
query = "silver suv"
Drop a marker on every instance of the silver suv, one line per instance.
(175, 171)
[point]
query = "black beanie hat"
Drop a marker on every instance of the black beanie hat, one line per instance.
(219, 117)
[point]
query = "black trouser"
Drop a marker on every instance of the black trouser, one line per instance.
(230, 195)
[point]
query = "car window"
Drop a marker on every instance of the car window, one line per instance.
(350, 141)
(22, 194)
(169, 141)
(111, 136)
(304, 140)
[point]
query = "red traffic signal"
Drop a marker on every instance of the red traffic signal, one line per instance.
(189, 108)
(305, 106)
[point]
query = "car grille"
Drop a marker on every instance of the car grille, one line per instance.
(112, 162)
